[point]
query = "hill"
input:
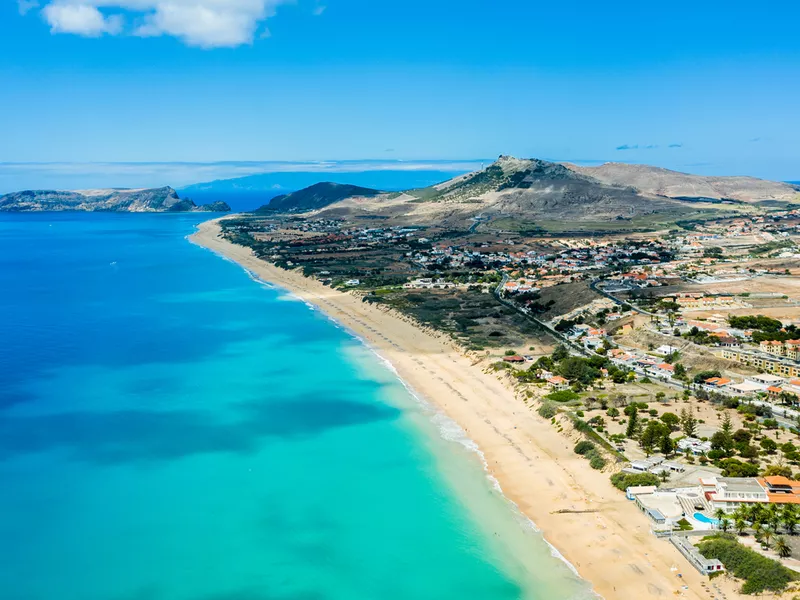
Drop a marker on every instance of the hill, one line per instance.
(316, 197)
(164, 199)
(674, 184)
(515, 194)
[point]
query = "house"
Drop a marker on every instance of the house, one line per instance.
(516, 358)
(665, 350)
(728, 341)
(662, 370)
(766, 379)
(694, 445)
(717, 382)
(706, 566)
(745, 388)
(772, 347)
(774, 392)
(558, 383)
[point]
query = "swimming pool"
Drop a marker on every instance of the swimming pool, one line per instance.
(704, 519)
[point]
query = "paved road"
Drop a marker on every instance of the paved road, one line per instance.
(593, 286)
(556, 334)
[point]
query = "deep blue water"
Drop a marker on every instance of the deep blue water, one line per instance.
(171, 429)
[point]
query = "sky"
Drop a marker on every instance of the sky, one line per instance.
(211, 85)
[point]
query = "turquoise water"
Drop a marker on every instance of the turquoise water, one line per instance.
(704, 519)
(171, 429)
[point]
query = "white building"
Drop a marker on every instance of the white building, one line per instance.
(694, 445)
(729, 493)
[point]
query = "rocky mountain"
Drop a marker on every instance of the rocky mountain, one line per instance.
(516, 193)
(317, 196)
(164, 199)
(673, 184)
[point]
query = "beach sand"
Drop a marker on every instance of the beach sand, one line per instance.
(605, 537)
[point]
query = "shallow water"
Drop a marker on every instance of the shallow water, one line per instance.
(171, 429)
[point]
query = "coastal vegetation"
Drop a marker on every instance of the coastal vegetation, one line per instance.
(759, 573)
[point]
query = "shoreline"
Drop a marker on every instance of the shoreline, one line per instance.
(610, 546)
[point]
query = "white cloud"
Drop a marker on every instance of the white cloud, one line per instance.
(202, 23)
(25, 6)
(80, 19)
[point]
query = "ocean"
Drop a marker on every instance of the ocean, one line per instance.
(172, 429)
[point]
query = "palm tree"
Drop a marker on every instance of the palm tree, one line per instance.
(775, 522)
(719, 514)
(782, 548)
(740, 524)
(756, 513)
(790, 518)
(724, 525)
(766, 536)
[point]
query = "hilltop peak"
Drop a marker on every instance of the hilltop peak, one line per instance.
(317, 196)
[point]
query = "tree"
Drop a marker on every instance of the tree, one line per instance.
(667, 445)
(739, 523)
(769, 445)
(782, 548)
(560, 353)
(727, 425)
(788, 398)
(688, 422)
(613, 413)
(633, 423)
(766, 536)
(725, 524)
(680, 371)
(652, 435)
(748, 451)
(660, 397)
(719, 514)
(755, 513)
(790, 519)
(723, 443)
(780, 470)
(703, 375)
(671, 420)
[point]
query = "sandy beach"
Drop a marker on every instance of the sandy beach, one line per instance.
(578, 511)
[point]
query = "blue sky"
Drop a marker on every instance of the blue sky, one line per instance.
(711, 87)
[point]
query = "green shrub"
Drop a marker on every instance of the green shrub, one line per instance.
(583, 447)
(622, 481)
(562, 396)
(547, 410)
(597, 462)
(758, 572)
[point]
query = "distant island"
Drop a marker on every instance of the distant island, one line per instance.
(163, 199)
